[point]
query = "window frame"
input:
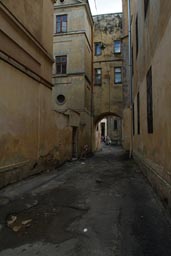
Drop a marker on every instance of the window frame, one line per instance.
(137, 35)
(95, 48)
(115, 41)
(150, 124)
(96, 77)
(61, 23)
(138, 113)
(133, 119)
(61, 64)
(120, 82)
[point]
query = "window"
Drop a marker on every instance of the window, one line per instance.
(98, 76)
(60, 99)
(117, 46)
(61, 23)
(118, 75)
(98, 49)
(132, 53)
(61, 64)
(115, 125)
(138, 113)
(133, 119)
(149, 102)
(146, 4)
(137, 42)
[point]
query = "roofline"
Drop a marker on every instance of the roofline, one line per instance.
(87, 6)
(107, 14)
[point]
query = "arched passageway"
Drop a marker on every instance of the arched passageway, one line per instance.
(107, 130)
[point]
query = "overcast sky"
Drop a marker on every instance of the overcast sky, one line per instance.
(105, 6)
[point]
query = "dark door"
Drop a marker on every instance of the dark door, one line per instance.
(74, 141)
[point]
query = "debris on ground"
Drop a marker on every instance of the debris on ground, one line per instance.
(16, 224)
(16, 228)
(12, 219)
(26, 222)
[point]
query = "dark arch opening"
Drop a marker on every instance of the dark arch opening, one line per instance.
(108, 130)
(103, 115)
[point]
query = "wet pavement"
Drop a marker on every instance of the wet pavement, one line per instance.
(102, 206)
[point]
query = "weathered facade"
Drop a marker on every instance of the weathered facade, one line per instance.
(107, 65)
(127, 114)
(72, 72)
(151, 40)
(114, 129)
(108, 91)
(29, 128)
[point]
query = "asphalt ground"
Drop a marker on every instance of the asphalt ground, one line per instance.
(101, 206)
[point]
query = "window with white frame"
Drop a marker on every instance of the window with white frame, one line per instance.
(117, 75)
(117, 46)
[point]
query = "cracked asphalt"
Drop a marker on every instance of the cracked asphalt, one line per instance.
(102, 206)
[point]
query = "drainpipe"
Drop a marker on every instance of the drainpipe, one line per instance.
(130, 76)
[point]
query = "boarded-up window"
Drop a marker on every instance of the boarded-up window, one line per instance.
(149, 102)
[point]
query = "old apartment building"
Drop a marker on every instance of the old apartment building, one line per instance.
(151, 59)
(72, 72)
(29, 130)
(95, 77)
(87, 73)
(41, 125)
(107, 65)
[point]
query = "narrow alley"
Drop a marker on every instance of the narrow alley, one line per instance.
(101, 206)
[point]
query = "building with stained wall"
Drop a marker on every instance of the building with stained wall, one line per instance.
(72, 72)
(30, 130)
(108, 98)
(151, 57)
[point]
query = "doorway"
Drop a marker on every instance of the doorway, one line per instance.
(103, 130)
(74, 142)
